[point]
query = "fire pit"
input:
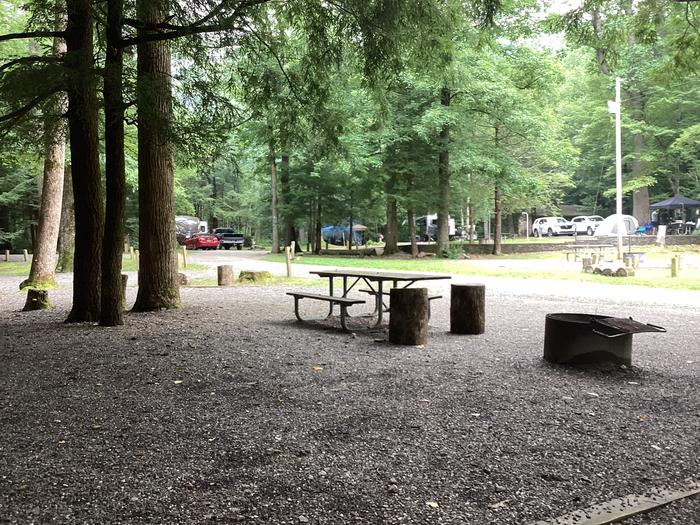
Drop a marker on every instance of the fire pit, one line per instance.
(578, 339)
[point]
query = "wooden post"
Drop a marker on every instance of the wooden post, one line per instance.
(467, 308)
(136, 256)
(184, 256)
(292, 248)
(410, 310)
(674, 266)
(7, 255)
(131, 253)
(25, 255)
(125, 279)
(288, 260)
(224, 275)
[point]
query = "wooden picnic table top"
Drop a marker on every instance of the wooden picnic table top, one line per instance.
(380, 276)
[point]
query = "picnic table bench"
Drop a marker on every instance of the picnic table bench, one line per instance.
(375, 282)
(343, 302)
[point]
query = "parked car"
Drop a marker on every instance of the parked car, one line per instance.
(228, 237)
(202, 241)
(587, 223)
(552, 226)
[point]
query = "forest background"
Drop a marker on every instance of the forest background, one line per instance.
(281, 117)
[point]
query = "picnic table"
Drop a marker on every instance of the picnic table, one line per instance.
(375, 282)
(579, 247)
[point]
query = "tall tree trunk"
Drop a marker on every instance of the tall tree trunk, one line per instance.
(391, 237)
(412, 230)
(640, 196)
(600, 52)
(319, 235)
(443, 240)
(158, 286)
(112, 307)
(84, 147)
(498, 222)
(273, 191)
(66, 235)
(286, 192)
(42, 273)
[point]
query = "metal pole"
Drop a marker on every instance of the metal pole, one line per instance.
(618, 165)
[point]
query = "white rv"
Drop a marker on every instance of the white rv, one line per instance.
(427, 227)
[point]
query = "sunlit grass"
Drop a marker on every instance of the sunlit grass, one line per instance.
(656, 277)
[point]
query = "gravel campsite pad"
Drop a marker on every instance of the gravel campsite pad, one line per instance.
(230, 411)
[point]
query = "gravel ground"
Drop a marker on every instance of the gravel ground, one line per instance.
(229, 411)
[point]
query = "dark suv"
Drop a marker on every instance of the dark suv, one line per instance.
(228, 237)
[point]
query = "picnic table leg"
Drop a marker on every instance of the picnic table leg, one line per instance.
(296, 309)
(343, 315)
(379, 305)
(330, 290)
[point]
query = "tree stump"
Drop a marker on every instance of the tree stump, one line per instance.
(182, 279)
(467, 308)
(410, 310)
(224, 275)
(587, 264)
(249, 275)
(36, 300)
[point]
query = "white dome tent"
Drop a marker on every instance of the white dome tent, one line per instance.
(608, 227)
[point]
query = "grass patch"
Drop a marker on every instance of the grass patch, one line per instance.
(15, 269)
(688, 279)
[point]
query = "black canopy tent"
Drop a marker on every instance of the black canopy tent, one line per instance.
(677, 202)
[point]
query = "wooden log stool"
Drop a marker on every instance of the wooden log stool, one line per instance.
(224, 275)
(410, 310)
(468, 309)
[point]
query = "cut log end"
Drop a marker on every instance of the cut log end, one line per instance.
(224, 275)
(468, 309)
(410, 311)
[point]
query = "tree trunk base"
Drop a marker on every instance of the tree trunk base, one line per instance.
(410, 310)
(37, 300)
(468, 309)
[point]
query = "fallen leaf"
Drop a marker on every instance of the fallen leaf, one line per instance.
(656, 447)
(318, 368)
(424, 400)
(432, 504)
(500, 504)
(592, 394)
(177, 381)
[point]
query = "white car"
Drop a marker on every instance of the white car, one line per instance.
(552, 226)
(587, 223)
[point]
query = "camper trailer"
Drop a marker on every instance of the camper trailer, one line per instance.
(427, 228)
(186, 226)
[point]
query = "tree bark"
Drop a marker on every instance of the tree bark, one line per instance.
(467, 308)
(410, 312)
(497, 220)
(319, 233)
(224, 275)
(112, 303)
(412, 231)
(288, 223)
(84, 147)
(66, 236)
(391, 240)
(443, 240)
(158, 285)
(42, 272)
(273, 194)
